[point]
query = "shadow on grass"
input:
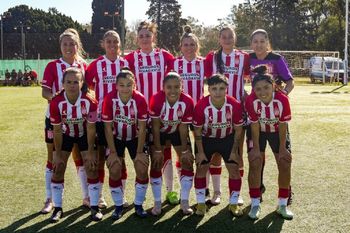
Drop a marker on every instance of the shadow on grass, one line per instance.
(177, 222)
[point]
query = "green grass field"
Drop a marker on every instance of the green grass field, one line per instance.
(320, 176)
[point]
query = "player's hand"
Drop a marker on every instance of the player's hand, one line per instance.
(234, 157)
(187, 158)
(112, 159)
(254, 154)
(284, 154)
(157, 159)
(142, 158)
(200, 159)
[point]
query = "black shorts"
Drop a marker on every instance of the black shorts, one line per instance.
(101, 137)
(131, 145)
(223, 146)
(68, 142)
(272, 138)
(174, 139)
(48, 131)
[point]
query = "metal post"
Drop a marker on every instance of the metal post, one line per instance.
(113, 22)
(346, 44)
(122, 33)
(2, 38)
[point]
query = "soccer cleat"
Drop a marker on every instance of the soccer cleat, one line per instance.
(236, 210)
(157, 208)
(48, 206)
(96, 214)
(216, 198)
(262, 188)
(240, 200)
(56, 215)
(86, 202)
(118, 213)
(139, 211)
(172, 198)
(125, 204)
(201, 209)
(185, 207)
(102, 204)
(254, 212)
(285, 212)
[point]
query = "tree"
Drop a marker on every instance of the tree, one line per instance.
(167, 15)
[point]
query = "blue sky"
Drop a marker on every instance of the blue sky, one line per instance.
(80, 10)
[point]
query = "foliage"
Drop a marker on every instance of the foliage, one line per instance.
(167, 15)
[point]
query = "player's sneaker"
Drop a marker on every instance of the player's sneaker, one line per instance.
(48, 206)
(157, 208)
(285, 212)
(185, 207)
(102, 204)
(290, 197)
(216, 199)
(254, 212)
(56, 215)
(172, 198)
(86, 202)
(139, 211)
(118, 213)
(240, 200)
(201, 209)
(96, 214)
(236, 210)
(125, 204)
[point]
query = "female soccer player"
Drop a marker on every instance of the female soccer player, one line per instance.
(71, 49)
(277, 67)
(125, 115)
(234, 64)
(73, 116)
(269, 112)
(150, 65)
(101, 77)
(171, 111)
(218, 123)
(190, 67)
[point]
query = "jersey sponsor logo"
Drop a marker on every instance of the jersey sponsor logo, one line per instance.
(223, 125)
(149, 69)
(230, 70)
(109, 79)
(267, 121)
(167, 123)
(125, 120)
(72, 121)
(190, 76)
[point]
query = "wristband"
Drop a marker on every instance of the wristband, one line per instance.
(157, 151)
(184, 152)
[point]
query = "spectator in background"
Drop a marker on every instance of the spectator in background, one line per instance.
(13, 77)
(19, 78)
(7, 77)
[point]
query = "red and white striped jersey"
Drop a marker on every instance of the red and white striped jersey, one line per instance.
(268, 115)
(192, 74)
(124, 116)
(149, 70)
(101, 77)
(73, 117)
(53, 75)
(171, 116)
(217, 123)
(235, 67)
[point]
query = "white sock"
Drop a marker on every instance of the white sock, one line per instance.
(207, 179)
(57, 194)
(216, 179)
(200, 195)
(117, 195)
(83, 181)
(94, 193)
(140, 193)
(255, 201)
(156, 184)
(234, 197)
(168, 174)
(48, 176)
(186, 185)
(282, 201)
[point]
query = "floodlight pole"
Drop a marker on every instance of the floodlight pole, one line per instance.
(345, 79)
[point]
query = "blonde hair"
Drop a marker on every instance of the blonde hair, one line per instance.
(189, 34)
(113, 34)
(150, 26)
(74, 35)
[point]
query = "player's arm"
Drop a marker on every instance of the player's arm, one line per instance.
(57, 138)
(46, 93)
(255, 132)
(183, 131)
(237, 137)
(92, 155)
(283, 152)
(289, 86)
(156, 133)
(141, 135)
(200, 156)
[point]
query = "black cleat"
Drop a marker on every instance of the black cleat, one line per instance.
(56, 215)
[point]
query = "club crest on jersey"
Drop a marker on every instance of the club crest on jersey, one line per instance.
(236, 61)
(157, 59)
(198, 67)
(132, 112)
(83, 110)
(276, 111)
(228, 116)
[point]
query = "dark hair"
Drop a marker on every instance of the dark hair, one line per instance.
(76, 70)
(125, 73)
(172, 75)
(264, 33)
(261, 75)
(218, 53)
(150, 26)
(216, 79)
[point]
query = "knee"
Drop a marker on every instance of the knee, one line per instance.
(59, 170)
(284, 165)
(157, 162)
(141, 169)
(187, 164)
(202, 170)
(233, 170)
(255, 164)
